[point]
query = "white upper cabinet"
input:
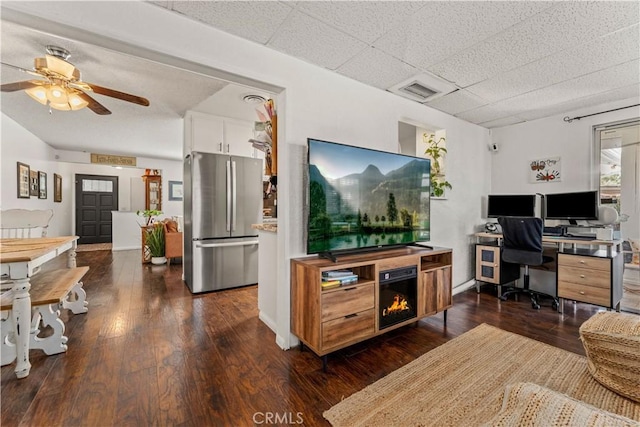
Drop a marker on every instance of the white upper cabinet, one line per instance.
(214, 134)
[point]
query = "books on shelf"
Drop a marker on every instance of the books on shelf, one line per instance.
(331, 284)
(337, 273)
(338, 278)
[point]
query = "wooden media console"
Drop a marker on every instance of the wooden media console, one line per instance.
(329, 318)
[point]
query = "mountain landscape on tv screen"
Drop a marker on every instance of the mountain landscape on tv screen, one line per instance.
(369, 208)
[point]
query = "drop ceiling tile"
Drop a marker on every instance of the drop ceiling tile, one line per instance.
(376, 68)
(366, 20)
(507, 121)
(553, 30)
(610, 50)
(456, 102)
(165, 4)
(486, 113)
(307, 38)
(631, 92)
(253, 20)
(440, 29)
(591, 84)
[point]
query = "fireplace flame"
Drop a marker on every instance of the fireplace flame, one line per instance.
(399, 304)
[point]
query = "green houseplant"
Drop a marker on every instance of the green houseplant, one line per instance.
(154, 240)
(149, 215)
(436, 153)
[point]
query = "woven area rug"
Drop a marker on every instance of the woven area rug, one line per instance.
(94, 247)
(461, 383)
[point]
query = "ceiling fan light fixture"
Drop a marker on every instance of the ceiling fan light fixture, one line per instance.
(39, 93)
(62, 106)
(57, 94)
(76, 102)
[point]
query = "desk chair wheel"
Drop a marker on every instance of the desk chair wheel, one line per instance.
(554, 305)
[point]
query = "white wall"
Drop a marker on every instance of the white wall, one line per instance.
(314, 103)
(19, 145)
(551, 137)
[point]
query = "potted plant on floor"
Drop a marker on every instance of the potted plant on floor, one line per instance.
(155, 243)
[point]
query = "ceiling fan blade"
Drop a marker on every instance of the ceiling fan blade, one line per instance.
(94, 105)
(120, 95)
(24, 70)
(13, 87)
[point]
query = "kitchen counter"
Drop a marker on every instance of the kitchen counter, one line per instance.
(266, 226)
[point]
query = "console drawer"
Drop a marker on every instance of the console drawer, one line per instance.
(579, 261)
(340, 302)
(585, 276)
(348, 328)
(584, 293)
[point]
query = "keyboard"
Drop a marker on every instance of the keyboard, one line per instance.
(580, 237)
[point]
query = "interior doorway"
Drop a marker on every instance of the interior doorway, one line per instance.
(96, 198)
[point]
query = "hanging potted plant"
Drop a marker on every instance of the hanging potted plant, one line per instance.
(435, 151)
(154, 240)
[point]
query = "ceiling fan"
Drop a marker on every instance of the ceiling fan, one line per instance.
(62, 87)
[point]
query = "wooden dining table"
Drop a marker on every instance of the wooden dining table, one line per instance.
(20, 260)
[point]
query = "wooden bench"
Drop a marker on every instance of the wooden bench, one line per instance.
(48, 293)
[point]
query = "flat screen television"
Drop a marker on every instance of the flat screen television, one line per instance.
(571, 206)
(511, 205)
(363, 199)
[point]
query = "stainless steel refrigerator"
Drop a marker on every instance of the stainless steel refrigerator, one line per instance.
(222, 199)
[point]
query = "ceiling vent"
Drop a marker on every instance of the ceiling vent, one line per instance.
(253, 99)
(423, 88)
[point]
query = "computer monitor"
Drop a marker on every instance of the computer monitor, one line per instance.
(571, 206)
(511, 205)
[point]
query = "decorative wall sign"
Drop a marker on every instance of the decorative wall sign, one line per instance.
(34, 184)
(175, 190)
(24, 175)
(108, 159)
(57, 188)
(42, 185)
(545, 170)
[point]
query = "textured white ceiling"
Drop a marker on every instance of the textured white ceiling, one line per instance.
(131, 128)
(511, 61)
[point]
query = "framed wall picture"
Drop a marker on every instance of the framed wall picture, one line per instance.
(34, 189)
(175, 190)
(545, 170)
(42, 185)
(24, 176)
(57, 188)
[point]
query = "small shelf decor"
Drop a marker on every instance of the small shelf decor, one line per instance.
(436, 151)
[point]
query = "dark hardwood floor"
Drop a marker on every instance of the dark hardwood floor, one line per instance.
(150, 353)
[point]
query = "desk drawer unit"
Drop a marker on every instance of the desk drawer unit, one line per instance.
(588, 279)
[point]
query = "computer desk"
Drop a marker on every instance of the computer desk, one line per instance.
(588, 271)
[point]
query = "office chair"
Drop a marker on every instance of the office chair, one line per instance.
(522, 244)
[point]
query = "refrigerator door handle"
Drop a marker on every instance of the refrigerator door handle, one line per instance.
(229, 195)
(234, 205)
(224, 245)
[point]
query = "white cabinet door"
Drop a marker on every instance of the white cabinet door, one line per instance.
(206, 133)
(236, 138)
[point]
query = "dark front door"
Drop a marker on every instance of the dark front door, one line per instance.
(96, 197)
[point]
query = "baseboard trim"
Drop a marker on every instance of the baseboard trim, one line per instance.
(125, 248)
(464, 286)
(267, 321)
